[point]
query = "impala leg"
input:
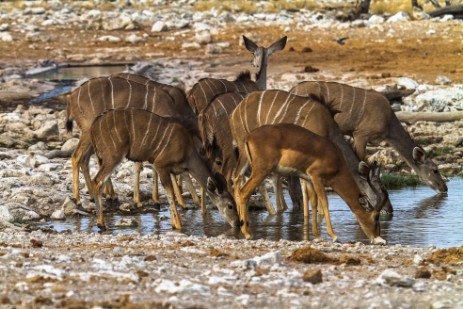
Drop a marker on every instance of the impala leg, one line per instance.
(244, 195)
(189, 183)
(203, 200)
(314, 204)
(166, 180)
(323, 200)
(155, 193)
(178, 194)
(136, 187)
(278, 189)
(305, 197)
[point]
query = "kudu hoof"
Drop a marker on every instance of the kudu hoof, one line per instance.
(101, 227)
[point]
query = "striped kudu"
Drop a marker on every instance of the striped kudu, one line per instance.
(289, 149)
(367, 116)
(277, 106)
(110, 92)
(140, 135)
(206, 89)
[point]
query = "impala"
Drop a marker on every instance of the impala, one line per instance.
(289, 149)
(140, 135)
(367, 116)
(277, 106)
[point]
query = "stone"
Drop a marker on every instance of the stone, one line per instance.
(443, 80)
(392, 278)
(58, 215)
(49, 131)
(159, 26)
(109, 38)
(125, 223)
(422, 273)
(70, 144)
(398, 17)
(313, 276)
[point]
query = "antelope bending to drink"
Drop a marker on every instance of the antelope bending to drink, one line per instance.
(367, 116)
(99, 94)
(277, 106)
(140, 135)
(289, 149)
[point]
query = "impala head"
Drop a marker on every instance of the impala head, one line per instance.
(427, 170)
(372, 187)
(216, 189)
(371, 227)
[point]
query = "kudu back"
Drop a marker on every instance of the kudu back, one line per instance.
(367, 116)
(140, 135)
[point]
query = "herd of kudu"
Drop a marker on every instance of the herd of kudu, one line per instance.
(231, 135)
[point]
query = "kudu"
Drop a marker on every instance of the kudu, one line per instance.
(367, 116)
(140, 135)
(289, 149)
(110, 92)
(206, 89)
(277, 106)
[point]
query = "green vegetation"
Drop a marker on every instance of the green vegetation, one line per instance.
(441, 151)
(392, 181)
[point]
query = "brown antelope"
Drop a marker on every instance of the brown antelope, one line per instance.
(277, 106)
(140, 135)
(103, 93)
(292, 150)
(206, 89)
(367, 116)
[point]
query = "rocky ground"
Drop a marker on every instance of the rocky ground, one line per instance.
(182, 45)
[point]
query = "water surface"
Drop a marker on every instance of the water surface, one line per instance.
(420, 218)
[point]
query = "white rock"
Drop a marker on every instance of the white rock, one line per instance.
(70, 144)
(159, 26)
(126, 222)
(133, 38)
(400, 16)
(407, 83)
(268, 260)
(376, 19)
(6, 37)
(5, 215)
(191, 45)
(58, 215)
(390, 277)
(443, 80)
(109, 38)
(4, 27)
(417, 259)
(203, 37)
(48, 131)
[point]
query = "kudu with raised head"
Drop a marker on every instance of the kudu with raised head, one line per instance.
(367, 116)
(277, 106)
(111, 92)
(289, 149)
(140, 135)
(206, 89)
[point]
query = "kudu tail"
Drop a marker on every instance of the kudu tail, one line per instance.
(69, 119)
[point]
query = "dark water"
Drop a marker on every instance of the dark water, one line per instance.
(420, 218)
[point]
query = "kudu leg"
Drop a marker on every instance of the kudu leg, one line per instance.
(319, 188)
(155, 193)
(97, 187)
(166, 180)
(76, 160)
(136, 187)
(360, 145)
(177, 192)
(189, 183)
(265, 197)
(278, 189)
(108, 189)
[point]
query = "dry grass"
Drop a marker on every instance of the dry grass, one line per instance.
(244, 6)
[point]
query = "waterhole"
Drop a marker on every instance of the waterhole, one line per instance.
(420, 218)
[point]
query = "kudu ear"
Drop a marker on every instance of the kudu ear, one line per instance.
(250, 45)
(278, 45)
(364, 202)
(418, 154)
(363, 169)
(375, 170)
(211, 185)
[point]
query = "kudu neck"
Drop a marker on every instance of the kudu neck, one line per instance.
(402, 142)
(261, 76)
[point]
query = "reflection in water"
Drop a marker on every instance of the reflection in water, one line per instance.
(420, 218)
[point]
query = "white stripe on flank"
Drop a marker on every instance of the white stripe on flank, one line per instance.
(108, 129)
(90, 97)
(143, 141)
(362, 110)
(78, 100)
(130, 93)
(270, 108)
(162, 141)
(307, 115)
(352, 103)
(167, 142)
(112, 92)
(281, 108)
(224, 84)
(145, 105)
(298, 114)
(155, 136)
(115, 127)
(133, 124)
(259, 110)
